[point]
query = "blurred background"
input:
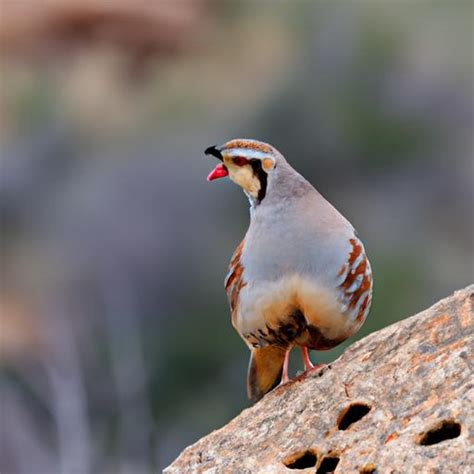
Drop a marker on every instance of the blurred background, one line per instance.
(117, 349)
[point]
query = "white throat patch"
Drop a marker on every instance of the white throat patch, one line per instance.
(244, 176)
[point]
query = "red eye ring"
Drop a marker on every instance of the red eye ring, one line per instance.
(240, 160)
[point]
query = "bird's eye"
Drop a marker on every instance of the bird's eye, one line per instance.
(240, 161)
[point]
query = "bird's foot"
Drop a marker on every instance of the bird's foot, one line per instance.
(317, 369)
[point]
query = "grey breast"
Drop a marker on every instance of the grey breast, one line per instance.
(303, 234)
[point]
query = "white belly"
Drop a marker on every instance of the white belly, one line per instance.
(269, 305)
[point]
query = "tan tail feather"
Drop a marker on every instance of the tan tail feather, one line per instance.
(264, 371)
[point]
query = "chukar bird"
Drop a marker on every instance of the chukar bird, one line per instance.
(300, 277)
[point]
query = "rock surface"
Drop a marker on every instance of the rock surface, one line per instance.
(398, 401)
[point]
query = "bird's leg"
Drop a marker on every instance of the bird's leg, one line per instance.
(308, 365)
(284, 374)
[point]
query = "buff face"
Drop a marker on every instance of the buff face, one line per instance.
(246, 163)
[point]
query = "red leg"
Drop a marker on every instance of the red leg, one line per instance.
(284, 375)
(308, 365)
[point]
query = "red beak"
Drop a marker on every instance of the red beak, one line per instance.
(220, 171)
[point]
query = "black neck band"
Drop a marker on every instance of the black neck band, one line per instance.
(262, 177)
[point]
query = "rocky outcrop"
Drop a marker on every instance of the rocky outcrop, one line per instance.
(400, 400)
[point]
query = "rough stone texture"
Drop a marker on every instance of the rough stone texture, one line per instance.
(416, 377)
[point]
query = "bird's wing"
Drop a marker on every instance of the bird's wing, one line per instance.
(234, 281)
(356, 282)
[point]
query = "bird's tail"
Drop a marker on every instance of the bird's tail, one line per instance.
(265, 368)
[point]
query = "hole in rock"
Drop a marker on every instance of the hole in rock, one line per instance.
(328, 464)
(302, 460)
(351, 414)
(447, 429)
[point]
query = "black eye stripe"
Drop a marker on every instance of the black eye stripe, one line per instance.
(262, 177)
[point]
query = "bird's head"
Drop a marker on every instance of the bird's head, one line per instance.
(249, 163)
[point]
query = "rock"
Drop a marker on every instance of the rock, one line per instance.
(397, 401)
